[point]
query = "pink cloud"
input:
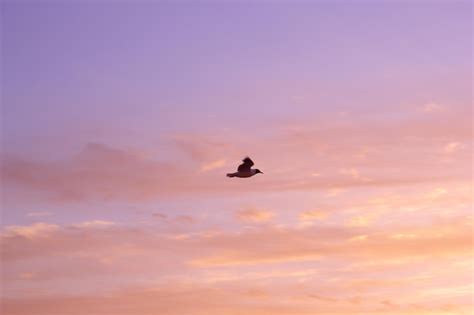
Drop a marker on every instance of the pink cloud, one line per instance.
(396, 153)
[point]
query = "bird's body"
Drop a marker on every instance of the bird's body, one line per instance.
(242, 174)
(244, 170)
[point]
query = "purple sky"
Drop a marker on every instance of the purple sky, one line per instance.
(121, 119)
(75, 71)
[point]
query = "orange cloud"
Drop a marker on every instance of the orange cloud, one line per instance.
(453, 147)
(254, 215)
(198, 299)
(313, 215)
(234, 268)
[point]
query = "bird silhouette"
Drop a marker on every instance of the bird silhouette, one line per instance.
(245, 169)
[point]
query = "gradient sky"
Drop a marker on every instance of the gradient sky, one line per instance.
(120, 120)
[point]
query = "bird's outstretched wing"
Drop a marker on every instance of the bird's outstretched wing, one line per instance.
(245, 167)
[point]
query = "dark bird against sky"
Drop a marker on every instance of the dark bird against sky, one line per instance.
(245, 169)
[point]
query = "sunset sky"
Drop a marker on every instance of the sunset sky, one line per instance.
(120, 120)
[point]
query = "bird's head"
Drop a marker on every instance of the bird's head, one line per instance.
(258, 171)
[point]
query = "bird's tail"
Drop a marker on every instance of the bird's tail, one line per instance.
(230, 175)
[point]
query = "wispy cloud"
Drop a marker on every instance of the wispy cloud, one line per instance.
(453, 147)
(354, 173)
(432, 107)
(254, 215)
(399, 152)
(213, 165)
(313, 215)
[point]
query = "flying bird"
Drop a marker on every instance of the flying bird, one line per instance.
(245, 169)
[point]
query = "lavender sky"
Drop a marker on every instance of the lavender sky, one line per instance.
(120, 120)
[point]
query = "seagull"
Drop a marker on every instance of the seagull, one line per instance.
(244, 170)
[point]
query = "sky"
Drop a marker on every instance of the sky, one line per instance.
(120, 120)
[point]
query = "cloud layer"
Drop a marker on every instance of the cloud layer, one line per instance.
(342, 153)
(326, 268)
